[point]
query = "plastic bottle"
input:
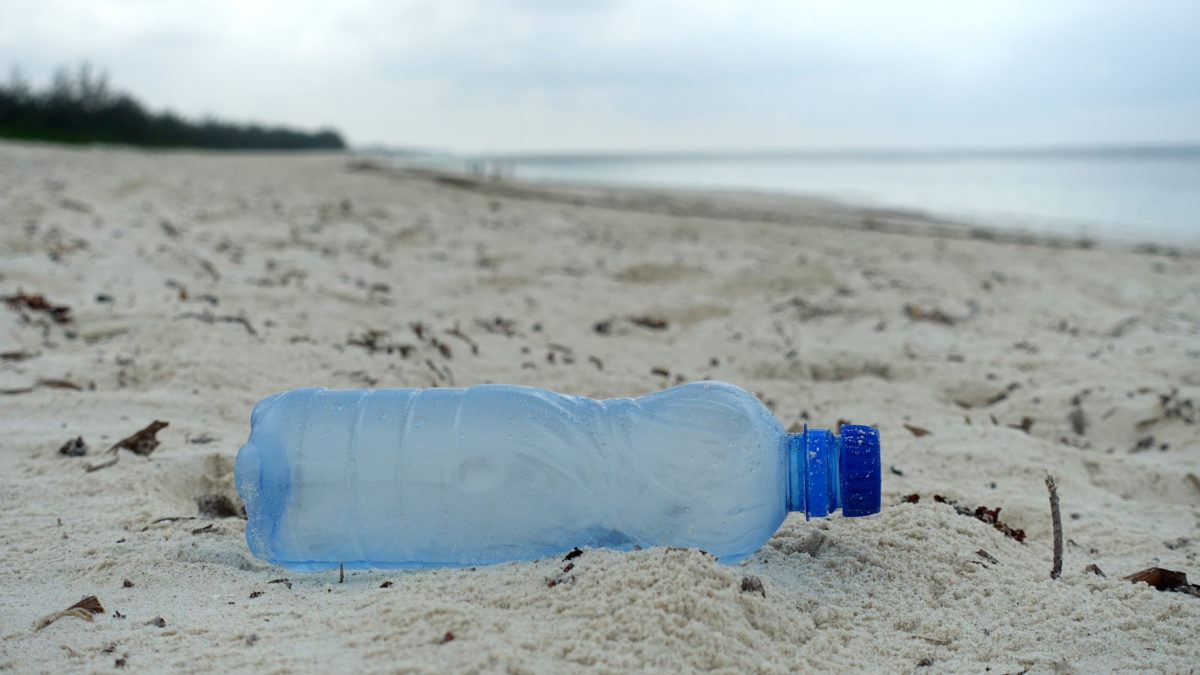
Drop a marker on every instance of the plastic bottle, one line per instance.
(491, 473)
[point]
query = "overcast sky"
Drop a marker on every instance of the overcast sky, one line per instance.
(536, 75)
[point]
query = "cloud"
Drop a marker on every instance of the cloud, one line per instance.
(537, 74)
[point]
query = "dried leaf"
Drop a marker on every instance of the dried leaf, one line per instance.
(917, 431)
(55, 383)
(1165, 580)
(986, 556)
(651, 322)
(16, 356)
(91, 603)
(920, 314)
(143, 442)
(38, 303)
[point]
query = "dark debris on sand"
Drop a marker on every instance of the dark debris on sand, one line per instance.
(76, 447)
(981, 513)
(22, 302)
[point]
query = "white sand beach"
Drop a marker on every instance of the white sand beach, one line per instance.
(198, 284)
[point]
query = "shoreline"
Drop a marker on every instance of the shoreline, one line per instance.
(196, 284)
(775, 206)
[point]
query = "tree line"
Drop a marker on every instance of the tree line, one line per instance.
(79, 106)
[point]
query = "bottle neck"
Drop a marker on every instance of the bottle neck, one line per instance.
(813, 472)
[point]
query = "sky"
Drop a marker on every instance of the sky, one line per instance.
(648, 75)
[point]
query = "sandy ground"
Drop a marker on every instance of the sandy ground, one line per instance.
(198, 284)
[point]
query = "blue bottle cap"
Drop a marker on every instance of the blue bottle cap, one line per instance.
(860, 474)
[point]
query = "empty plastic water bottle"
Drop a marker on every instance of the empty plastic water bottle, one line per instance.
(491, 473)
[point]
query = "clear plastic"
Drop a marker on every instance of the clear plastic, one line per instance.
(491, 473)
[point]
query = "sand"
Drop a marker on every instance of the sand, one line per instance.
(200, 283)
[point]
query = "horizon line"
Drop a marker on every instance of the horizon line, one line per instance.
(1187, 147)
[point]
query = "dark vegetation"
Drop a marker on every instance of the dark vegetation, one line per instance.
(80, 107)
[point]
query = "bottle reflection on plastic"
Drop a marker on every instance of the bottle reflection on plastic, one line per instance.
(492, 473)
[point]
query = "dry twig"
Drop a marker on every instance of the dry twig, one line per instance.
(1056, 518)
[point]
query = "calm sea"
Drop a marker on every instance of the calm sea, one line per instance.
(1128, 194)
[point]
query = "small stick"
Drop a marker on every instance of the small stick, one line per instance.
(341, 573)
(1195, 480)
(1056, 518)
(168, 519)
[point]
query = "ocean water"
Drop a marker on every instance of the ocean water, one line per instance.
(1122, 194)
